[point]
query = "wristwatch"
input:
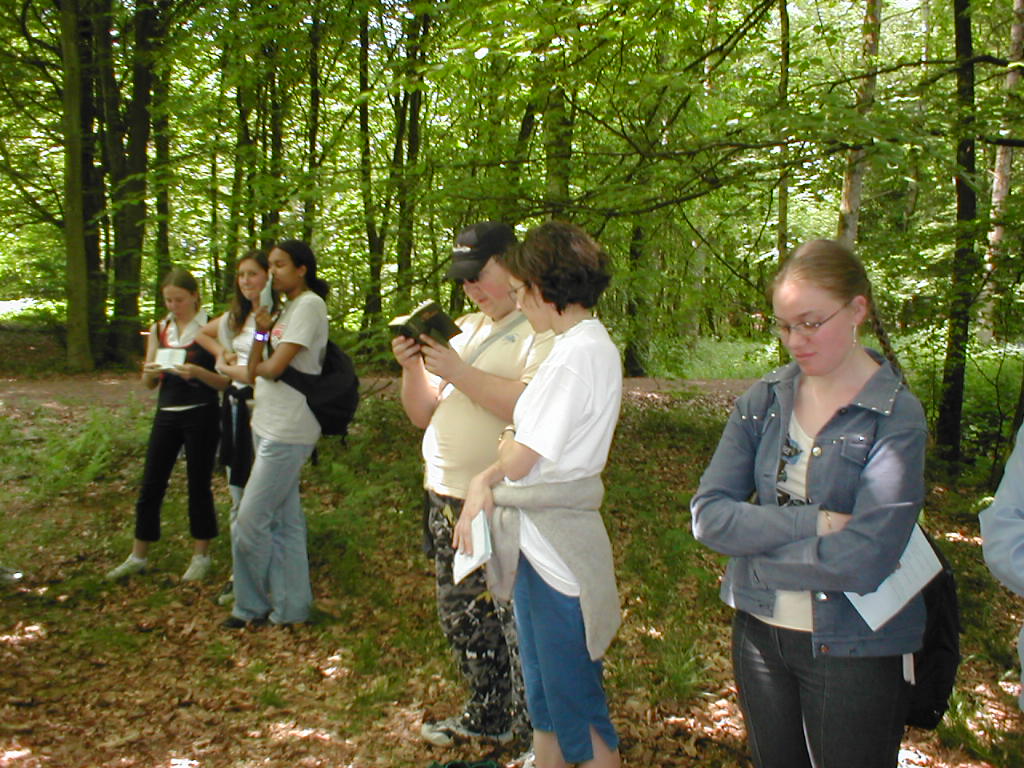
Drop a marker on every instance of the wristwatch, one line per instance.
(260, 335)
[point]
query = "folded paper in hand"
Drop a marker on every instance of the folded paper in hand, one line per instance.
(918, 565)
(169, 357)
(465, 564)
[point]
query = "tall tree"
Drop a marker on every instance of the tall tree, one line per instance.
(966, 263)
(857, 158)
(79, 350)
(126, 131)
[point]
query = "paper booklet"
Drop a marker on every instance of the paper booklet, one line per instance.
(168, 357)
(918, 565)
(466, 564)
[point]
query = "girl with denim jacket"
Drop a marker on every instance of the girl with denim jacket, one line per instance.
(813, 491)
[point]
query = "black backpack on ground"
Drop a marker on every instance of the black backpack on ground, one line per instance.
(332, 394)
(935, 664)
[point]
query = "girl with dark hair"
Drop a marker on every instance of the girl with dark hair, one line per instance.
(186, 416)
(813, 492)
(233, 331)
(268, 537)
(544, 493)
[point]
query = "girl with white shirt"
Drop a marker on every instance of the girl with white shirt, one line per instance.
(186, 416)
(268, 537)
(544, 495)
(233, 331)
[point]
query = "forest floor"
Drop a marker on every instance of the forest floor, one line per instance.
(142, 674)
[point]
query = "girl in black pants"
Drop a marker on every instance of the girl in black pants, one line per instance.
(187, 415)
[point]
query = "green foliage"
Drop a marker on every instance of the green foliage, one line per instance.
(99, 448)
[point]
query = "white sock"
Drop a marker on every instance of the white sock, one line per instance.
(136, 559)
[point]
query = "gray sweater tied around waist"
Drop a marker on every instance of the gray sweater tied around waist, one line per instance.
(567, 515)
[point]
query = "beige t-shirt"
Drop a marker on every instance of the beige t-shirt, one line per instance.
(462, 438)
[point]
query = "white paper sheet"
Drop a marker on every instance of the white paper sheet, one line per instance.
(918, 565)
(465, 564)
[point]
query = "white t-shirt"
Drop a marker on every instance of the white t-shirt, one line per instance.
(567, 414)
(240, 343)
(462, 437)
(792, 607)
(281, 414)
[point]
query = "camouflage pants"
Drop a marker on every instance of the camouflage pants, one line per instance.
(481, 632)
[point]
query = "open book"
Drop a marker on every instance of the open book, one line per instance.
(168, 357)
(466, 564)
(427, 318)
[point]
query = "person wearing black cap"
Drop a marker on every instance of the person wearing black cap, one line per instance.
(463, 397)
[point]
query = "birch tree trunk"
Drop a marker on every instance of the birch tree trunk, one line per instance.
(1001, 179)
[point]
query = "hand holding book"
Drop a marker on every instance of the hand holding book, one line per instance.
(427, 319)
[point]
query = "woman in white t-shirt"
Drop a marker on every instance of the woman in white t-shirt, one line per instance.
(186, 417)
(268, 537)
(566, 602)
(233, 332)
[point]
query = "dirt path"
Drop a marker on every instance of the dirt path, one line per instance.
(112, 389)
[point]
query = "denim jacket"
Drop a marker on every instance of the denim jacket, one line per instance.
(1002, 529)
(867, 461)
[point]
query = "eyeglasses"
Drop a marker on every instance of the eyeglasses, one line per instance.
(513, 292)
(806, 328)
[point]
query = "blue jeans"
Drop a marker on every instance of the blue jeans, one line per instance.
(803, 710)
(268, 538)
(564, 691)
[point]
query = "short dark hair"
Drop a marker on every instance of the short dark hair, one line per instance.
(566, 263)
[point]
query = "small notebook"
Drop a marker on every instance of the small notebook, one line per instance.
(466, 564)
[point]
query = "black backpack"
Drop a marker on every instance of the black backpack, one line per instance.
(935, 664)
(333, 394)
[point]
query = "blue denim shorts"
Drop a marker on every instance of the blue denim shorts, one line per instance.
(564, 692)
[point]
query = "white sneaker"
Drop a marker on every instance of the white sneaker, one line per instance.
(444, 733)
(129, 567)
(198, 569)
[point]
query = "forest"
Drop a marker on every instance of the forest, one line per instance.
(698, 141)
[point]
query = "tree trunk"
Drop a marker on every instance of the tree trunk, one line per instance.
(857, 159)
(782, 232)
(373, 302)
(1001, 179)
(966, 266)
(127, 141)
(558, 151)
(161, 186)
(408, 186)
(79, 350)
(309, 203)
(635, 352)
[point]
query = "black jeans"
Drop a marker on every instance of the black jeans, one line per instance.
(198, 430)
(824, 711)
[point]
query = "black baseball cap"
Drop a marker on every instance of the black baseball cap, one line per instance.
(475, 245)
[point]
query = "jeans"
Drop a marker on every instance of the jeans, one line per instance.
(823, 711)
(197, 430)
(268, 538)
(564, 688)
